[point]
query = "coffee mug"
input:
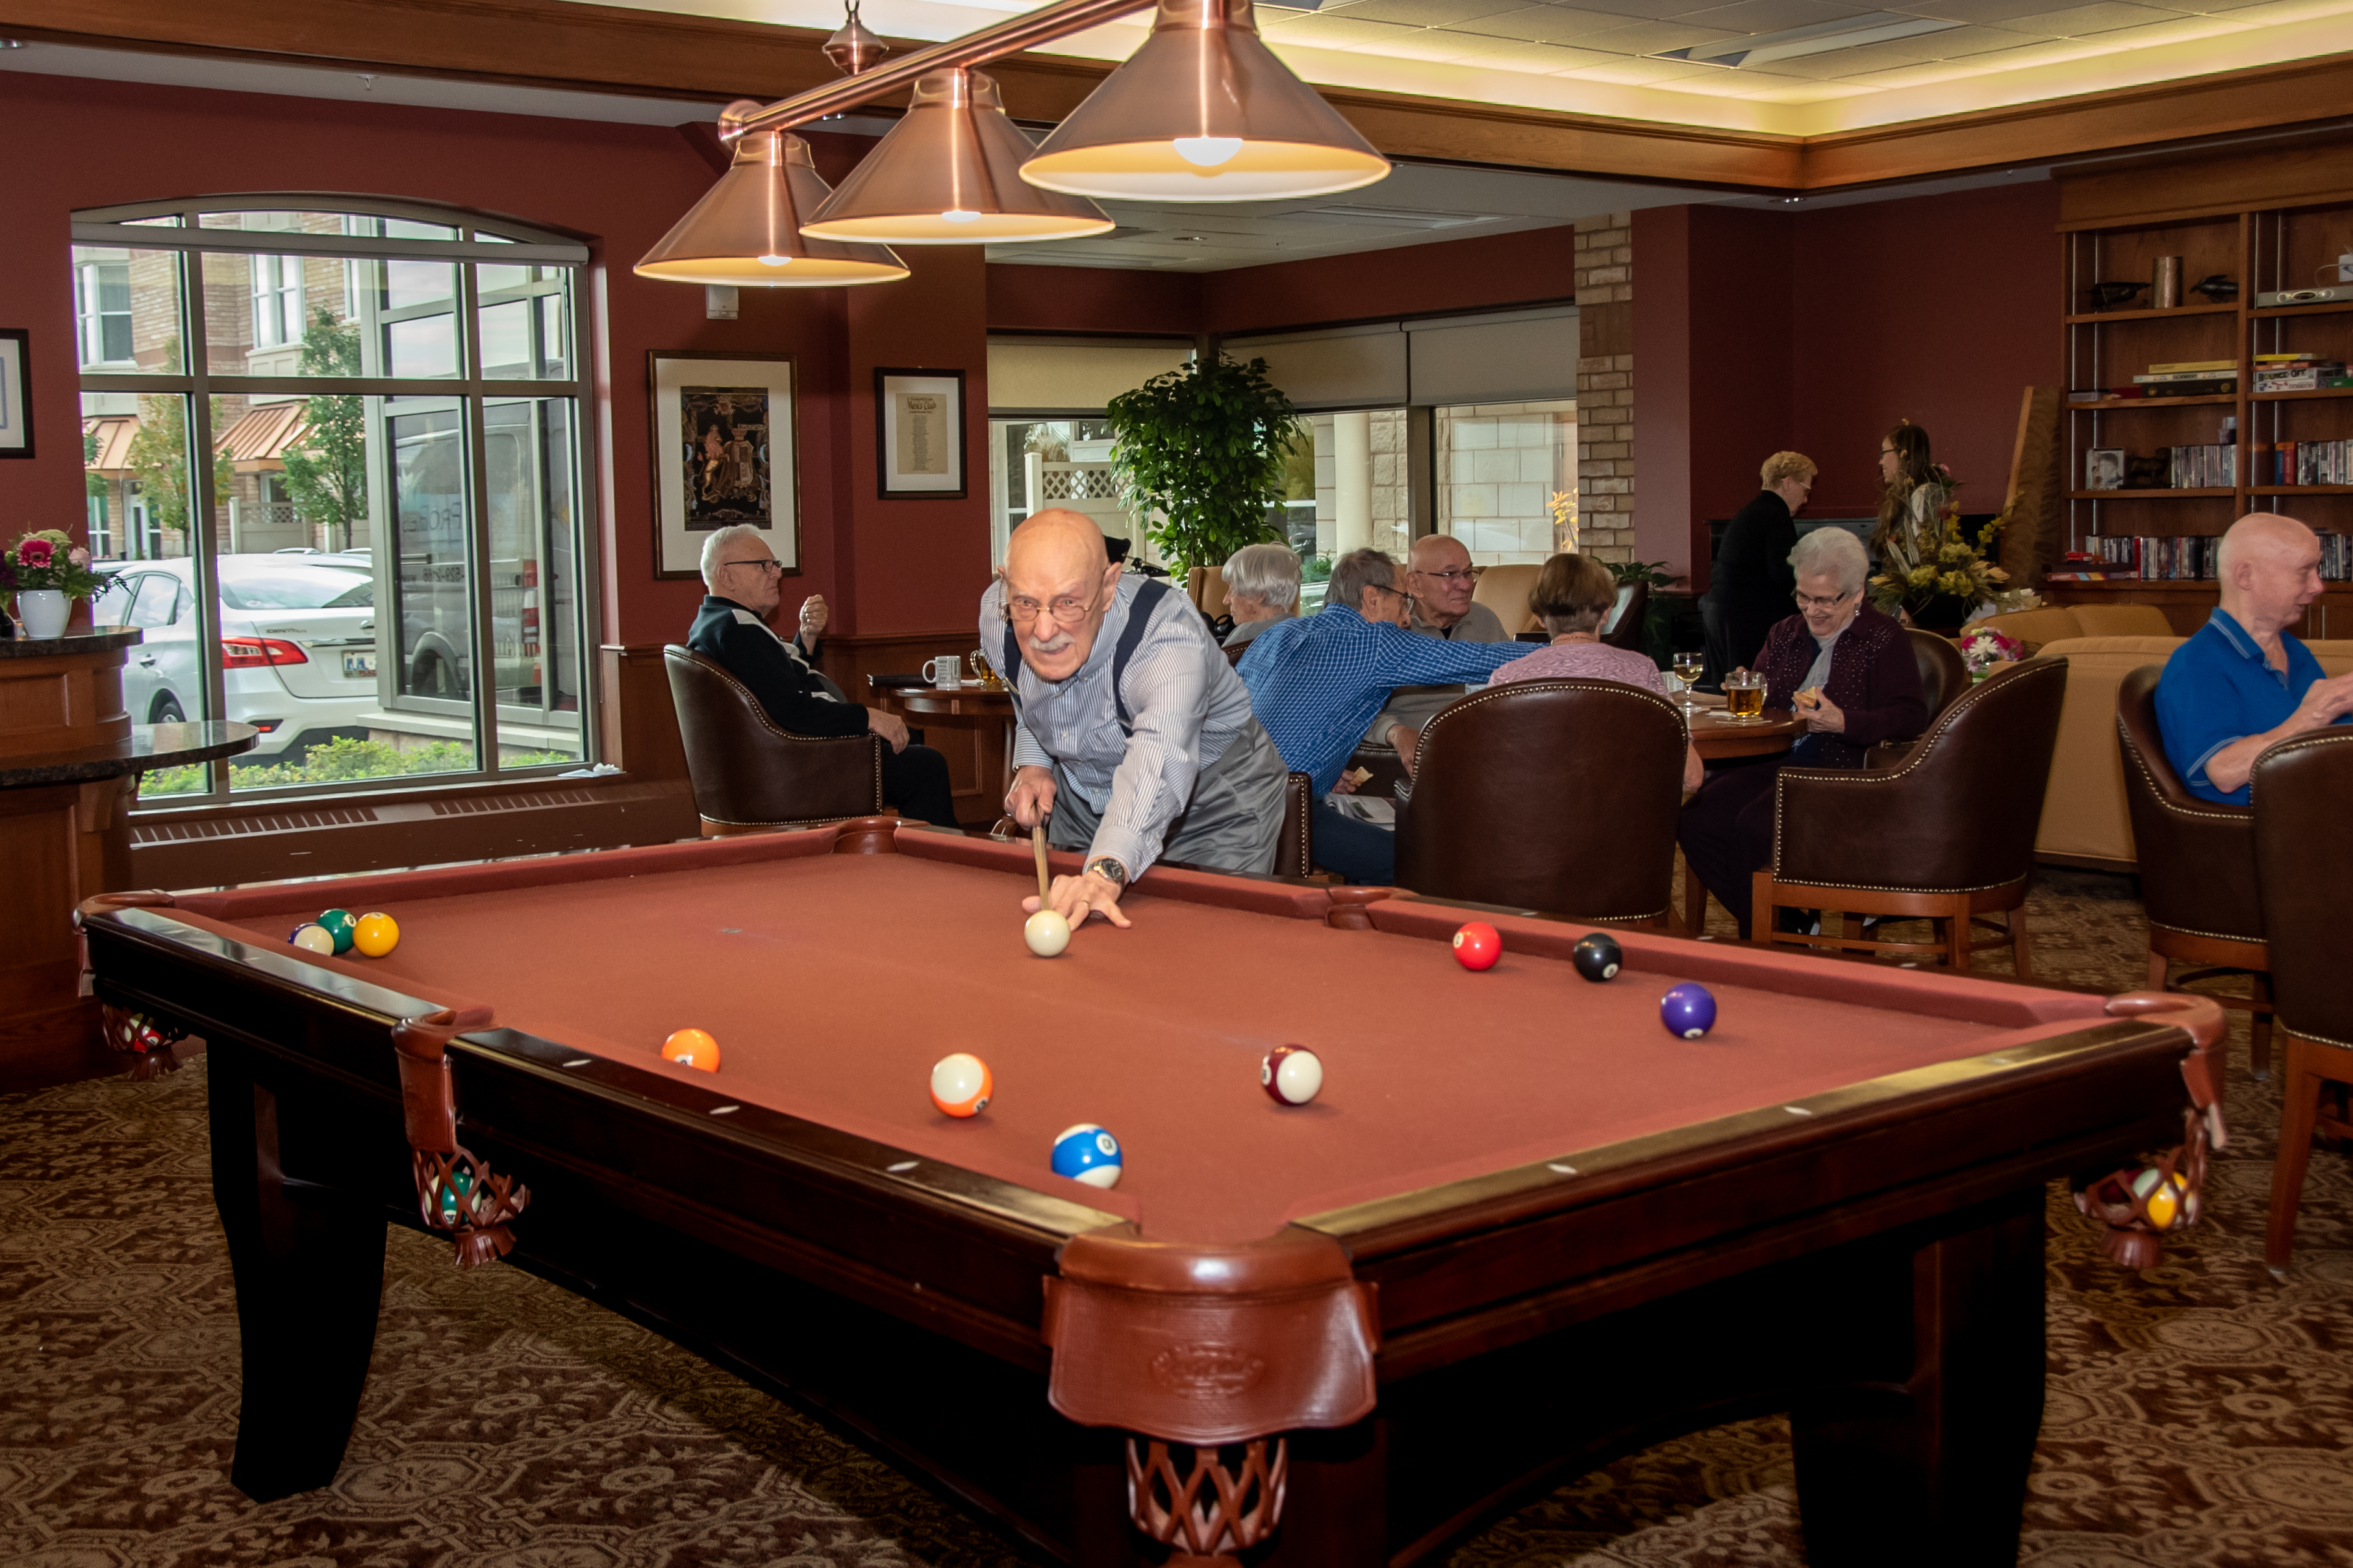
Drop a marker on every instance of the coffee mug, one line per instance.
(946, 671)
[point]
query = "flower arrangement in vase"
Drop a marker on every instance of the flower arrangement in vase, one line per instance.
(1938, 574)
(43, 572)
(1986, 647)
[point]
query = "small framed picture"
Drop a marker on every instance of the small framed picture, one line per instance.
(2103, 469)
(15, 402)
(724, 452)
(919, 434)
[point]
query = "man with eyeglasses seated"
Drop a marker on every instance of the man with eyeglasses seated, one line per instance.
(1849, 670)
(745, 583)
(1133, 740)
(1439, 583)
(1315, 681)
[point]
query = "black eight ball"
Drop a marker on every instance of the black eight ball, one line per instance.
(1597, 957)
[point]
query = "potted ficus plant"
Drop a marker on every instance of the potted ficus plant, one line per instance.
(45, 572)
(1204, 447)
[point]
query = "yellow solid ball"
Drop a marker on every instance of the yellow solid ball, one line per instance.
(375, 935)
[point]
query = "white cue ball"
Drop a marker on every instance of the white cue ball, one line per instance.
(315, 939)
(1047, 933)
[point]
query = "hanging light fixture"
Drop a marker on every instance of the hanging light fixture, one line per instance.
(1204, 112)
(950, 173)
(853, 46)
(746, 230)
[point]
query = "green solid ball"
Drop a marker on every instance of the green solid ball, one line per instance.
(340, 925)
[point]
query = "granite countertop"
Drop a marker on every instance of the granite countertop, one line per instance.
(150, 746)
(72, 642)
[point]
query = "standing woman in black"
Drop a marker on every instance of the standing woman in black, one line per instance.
(1752, 581)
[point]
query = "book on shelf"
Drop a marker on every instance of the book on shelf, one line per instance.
(2177, 558)
(2206, 468)
(2304, 356)
(2301, 463)
(2177, 377)
(2305, 377)
(2191, 366)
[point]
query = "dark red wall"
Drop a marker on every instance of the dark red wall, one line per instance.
(1755, 332)
(1093, 299)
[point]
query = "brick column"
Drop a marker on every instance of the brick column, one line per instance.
(1605, 387)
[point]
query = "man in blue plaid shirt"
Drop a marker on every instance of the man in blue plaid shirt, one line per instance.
(1316, 683)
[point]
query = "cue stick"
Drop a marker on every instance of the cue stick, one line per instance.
(1037, 848)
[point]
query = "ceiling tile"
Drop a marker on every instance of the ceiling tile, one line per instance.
(1334, 32)
(1772, 16)
(1654, 10)
(2081, 20)
(1420, 13)
(2180, 30)
(1651, 37)
(1540, 59)
(1543, 25)
(2050, 51)
(1637, 72)
(1428, 44)
(1996, 11)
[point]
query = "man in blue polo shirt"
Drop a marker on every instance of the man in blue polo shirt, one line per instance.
(1316, 683)
(2243, 683)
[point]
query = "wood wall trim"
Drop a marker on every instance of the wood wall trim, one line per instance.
(616, 49)
(2284, 172)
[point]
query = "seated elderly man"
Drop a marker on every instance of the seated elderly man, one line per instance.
(1844, 666)
(1262, 589)
(746, 585)
(1134, 737)
(2244, 682)
(1315, 682)
(1574, 595)
(1438, 581)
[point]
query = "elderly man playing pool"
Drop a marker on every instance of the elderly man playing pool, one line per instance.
(1134, 736)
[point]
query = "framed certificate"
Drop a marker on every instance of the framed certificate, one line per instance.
(15, 405)
(723, 452)
(919, 434)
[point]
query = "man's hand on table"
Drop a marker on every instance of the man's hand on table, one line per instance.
(1076, 897)
(889, 726)
(1030, 801)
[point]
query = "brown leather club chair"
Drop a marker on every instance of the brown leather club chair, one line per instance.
(1628, 632)
(749, 777)
(1557, 796)
(1945, 831)
(1944, 675)
(2197, 869)
(2304, 864)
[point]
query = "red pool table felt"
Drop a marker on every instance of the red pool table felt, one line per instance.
(833, 981)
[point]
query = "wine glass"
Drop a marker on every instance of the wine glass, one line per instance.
(1687, 670)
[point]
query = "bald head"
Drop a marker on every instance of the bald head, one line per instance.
(2269, 565)
(1058, 582)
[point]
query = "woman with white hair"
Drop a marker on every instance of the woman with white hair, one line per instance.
(1262, 589)
(1843, 665)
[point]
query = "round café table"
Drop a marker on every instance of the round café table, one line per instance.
(970, 701)
(1716, 736)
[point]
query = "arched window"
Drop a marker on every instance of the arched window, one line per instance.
(349, 433)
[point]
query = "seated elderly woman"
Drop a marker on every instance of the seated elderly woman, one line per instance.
(1573, 595)
(1844, 666)
(1262, 589)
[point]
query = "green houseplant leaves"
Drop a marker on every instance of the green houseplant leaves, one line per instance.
(1205, 446)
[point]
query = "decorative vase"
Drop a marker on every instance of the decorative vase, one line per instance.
(1939, 613)
(43, 611)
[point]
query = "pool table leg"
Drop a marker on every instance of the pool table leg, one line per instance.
(308, 1262)
(1938, 1459)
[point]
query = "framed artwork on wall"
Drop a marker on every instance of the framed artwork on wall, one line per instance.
(919, 434)
(15, 403)
(725, 452)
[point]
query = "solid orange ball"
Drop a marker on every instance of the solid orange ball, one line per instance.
(692, 1048)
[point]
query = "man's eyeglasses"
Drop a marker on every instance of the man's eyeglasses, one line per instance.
(765, 563)
(1066, 610)
(1452, 576)
(1808, 601)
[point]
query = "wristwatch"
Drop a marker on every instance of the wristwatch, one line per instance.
(1109, 869)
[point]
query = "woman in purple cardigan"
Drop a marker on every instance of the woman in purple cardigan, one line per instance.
(1849, 670)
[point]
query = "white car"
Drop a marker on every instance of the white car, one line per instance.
(298, 644)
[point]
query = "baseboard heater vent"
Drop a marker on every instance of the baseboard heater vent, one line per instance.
(248, 826)
(536, 800)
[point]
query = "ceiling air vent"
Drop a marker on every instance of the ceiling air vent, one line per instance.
(1390, 218)
(1819, 38)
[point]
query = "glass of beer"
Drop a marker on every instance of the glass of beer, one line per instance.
(1744, 697)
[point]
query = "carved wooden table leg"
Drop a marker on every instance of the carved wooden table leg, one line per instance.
(1204, 1509)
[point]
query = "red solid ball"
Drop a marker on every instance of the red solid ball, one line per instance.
(1478, 945)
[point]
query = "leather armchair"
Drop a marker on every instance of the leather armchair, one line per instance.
(2197, 868)
(1944, 676)
(2304, 864)
(1555, 796)
(750, 776)
(1945, 832)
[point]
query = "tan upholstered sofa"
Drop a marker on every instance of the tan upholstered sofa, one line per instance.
(2059, 623)
(2085, 820)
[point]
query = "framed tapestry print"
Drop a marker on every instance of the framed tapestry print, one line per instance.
(724, 452)
(15, 405)
(919, 434)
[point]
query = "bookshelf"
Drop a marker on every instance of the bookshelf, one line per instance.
(2263, 249)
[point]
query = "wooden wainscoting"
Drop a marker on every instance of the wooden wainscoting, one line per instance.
(974, 748)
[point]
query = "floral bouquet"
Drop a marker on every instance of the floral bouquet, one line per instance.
(49, 559)
(1939, 564)
(1562, 507)
(1984, 647)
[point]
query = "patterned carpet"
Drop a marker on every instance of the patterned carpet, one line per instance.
(2199, 1416)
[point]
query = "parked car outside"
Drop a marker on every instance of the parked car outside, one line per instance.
(298, 644)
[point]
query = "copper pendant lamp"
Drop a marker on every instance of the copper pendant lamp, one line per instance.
(746, 230)
(950, 173)
(1204, 112)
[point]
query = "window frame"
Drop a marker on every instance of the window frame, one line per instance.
(176, 225)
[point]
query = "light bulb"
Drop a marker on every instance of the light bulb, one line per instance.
(958, 214)
(1208, 152)
(775, 260)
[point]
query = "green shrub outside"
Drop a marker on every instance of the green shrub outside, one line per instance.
(337, 762)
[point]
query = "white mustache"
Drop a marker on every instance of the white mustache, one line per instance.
(1052, 645)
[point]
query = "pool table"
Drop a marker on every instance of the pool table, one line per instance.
(1523, 1229)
